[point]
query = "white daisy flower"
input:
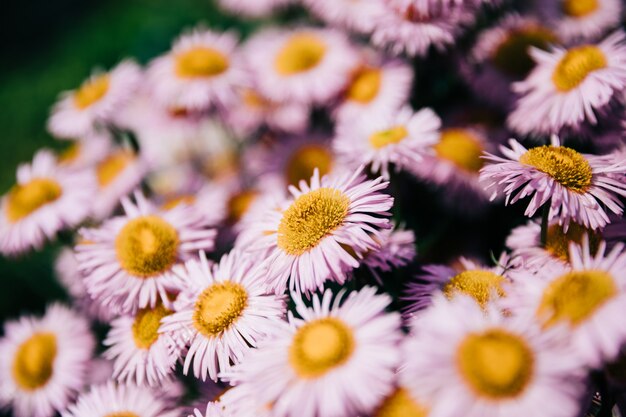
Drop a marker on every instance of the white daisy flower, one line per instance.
(46, 199)
(221, 312)
(128, 260)
(44, 361)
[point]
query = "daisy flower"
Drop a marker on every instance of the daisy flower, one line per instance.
(304, 65)
(569, 86)
(141, 355)
(96, 101)
(85, 153)
(47, 198)
(253, 8)
(471, 362)
(400, 403)
(575, 185)
(356, 15)
(221, 312)
(203, 69)
(397, 249)
(128, 260)
(110, 399)
(399, 136)
(44, 361)
(338, 360)
(315, 235)
(587, 297)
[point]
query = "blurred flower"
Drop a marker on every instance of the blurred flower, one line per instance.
(397, 249)
(253, 8)
(85, 153)
(356, 15)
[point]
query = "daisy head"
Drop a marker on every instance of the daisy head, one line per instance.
(472, 362)
(96, 101)
(319, 232)
(253, 8)
(222, 312)
(568, 87)
(203, 69)
(577, 187)
(338, 359)
(393, 137)
(44, 361)
(47, 198)
(305, 65)
(128, 260)
(355, 15)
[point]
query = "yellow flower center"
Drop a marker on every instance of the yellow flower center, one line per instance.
(201, 62)
(388, 137)
(252, 99)
(310, 218)
(564, 165)
(301, 53)
(557, 242)
(479, 284)
(576, 65)
(91, 91)
(579, 8)
(146, 325)
(122, 414)
(147, 246)
(495, 364)
(34, 361)
(400, 404)
(70, 154)
(320, 346)
(512, 57)
(462, 148)
(23, 199)
(304, 161)
(218, 307)
(112, 166)
(239, 204)
(176, 201)
(576, 296)
(365, 85)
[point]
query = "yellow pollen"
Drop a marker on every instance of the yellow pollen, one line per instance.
(91, 91)
(181, 199)
(201, 62)
(320, 346)
(239, 204)
(365, 85)
(557, 242)
(303, 162)
(575, 296)
(24, 199)
(112, 166)
(479, 284)
(388, 137)
(70, 154)
(310, 218)
(34, 361)
(122, 414)
(146, 325)
(564, 165)
(579, 8)
(218, 307)
(147, 246)
(496, 364)
(512, 57)
(460, 147)
(400, 404)
(576, 65)
(301, 53)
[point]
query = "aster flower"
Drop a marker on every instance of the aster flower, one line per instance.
(315, 235)
(221, 312)
(109, 399)
(576, 185)
(47, 198)
(253, 8)
(338, 360)
(356, 15)
(85, 153)
(570, 86)
(305, 65)
(400, 137)
(128, 260)
(44, 361)
(96, 101)
(203, 69)
(483, 363)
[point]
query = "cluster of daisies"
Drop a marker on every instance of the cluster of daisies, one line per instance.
(225, 217)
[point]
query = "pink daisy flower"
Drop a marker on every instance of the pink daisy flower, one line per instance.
(356, 15)
(577, 186)
(128, 260)
(46, 199)
(96, 101)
